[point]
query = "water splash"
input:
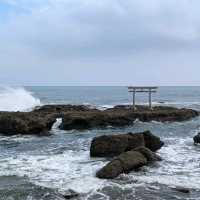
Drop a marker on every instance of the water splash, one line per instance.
(17, 99)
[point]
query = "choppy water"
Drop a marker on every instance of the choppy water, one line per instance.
(61, 161)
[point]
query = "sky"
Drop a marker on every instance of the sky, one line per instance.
(99, 42)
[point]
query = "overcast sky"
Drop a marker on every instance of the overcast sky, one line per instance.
(99, 42)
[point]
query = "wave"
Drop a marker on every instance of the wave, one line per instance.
(17, 99)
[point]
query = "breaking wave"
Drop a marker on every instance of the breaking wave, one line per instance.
(17, 99)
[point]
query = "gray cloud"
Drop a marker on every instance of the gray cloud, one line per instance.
(100, 42)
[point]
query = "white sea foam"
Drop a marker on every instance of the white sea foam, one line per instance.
(180, 165)
(71, 170)
(17, 99)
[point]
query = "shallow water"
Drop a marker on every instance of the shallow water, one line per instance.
(29, 165)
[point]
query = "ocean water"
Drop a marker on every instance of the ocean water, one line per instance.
(34, 168)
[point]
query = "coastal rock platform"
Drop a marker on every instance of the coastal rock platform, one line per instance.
(81, 117)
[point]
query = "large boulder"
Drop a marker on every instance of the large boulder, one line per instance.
(196, 138)
(130, 160)
(113, 145)
(24, 123)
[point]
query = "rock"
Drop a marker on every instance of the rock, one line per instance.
(152, 142)
(183, 190)
(122, 116)
(196, 138)
(70, 194)
(150, 156)
(113, 145)
(82, 117)
(24, 123)
(130, 160)
(93, 119)
(111, 170)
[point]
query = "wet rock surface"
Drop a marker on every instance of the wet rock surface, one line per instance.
(133, 150)
(113, 145)
(149, 155)
(196, 139)
(25, 123)
(81, 117)
(122, 164)
(123, 116)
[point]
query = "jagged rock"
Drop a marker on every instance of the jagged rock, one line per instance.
(113, 145)
(196, 138)
(130, 160)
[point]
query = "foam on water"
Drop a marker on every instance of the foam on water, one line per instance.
(17, 99)
(73, 170)
(180, 165)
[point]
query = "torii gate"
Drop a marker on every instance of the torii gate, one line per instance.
(149, 90)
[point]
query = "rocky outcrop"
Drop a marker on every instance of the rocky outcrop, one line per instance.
(113, 145)
(24, 123)
(122, 116)
(196, 139)
(82, 117)
(130, 160)
(133, 150)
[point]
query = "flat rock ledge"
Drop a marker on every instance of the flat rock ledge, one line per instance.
(132, 151)
(81, 117)
(120, 116)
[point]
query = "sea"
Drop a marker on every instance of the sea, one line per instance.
(41, 168)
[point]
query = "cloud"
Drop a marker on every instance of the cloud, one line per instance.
(75, 34)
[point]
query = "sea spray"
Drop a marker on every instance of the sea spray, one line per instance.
(17, 99)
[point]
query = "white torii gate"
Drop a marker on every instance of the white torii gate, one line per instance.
(135, 89)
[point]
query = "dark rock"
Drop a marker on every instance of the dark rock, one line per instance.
(152, 142)
(61, 108)
(183, 190)
(111, 170)
(122, 116)
(24, 123)
(150, 156)
(93, 119)
(113, 145)
(70, 194)
(196, 138)
(130, 160)
(83, 117)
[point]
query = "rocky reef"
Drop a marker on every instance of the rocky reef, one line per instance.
(123, 116)
(82, 117)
